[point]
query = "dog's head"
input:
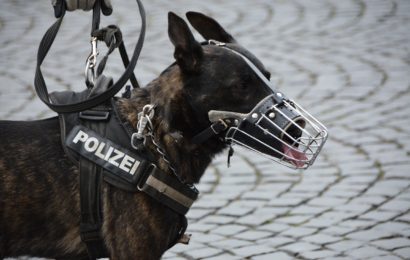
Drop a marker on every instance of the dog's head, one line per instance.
(214, 78)
(219, 80)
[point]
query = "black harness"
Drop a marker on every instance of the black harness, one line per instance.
(98, 140)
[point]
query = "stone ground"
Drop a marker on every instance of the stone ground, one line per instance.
(348, 62)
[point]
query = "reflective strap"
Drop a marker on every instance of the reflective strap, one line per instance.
(169, 191)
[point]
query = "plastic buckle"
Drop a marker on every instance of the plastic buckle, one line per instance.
(94, 115)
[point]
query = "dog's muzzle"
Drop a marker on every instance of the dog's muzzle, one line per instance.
(277, 128)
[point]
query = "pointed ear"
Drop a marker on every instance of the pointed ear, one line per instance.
(188, 52)
(209, 28)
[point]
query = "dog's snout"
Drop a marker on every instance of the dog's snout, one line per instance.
(293, 131)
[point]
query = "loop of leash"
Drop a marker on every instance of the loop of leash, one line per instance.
(44, 47)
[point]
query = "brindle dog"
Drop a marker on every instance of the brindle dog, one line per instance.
(39, 185)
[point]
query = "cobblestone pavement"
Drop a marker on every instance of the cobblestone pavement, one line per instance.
(348, 62)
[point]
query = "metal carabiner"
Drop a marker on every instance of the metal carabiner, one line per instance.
(91, 63)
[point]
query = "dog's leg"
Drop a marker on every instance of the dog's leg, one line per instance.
(136, 226)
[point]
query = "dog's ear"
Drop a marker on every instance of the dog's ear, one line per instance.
(209, 28)
(188, 52)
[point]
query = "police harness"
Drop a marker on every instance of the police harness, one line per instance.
(104, 146)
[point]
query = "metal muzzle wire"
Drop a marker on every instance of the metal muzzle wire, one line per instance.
(283, 132)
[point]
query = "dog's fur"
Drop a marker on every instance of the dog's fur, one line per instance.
(39, 186)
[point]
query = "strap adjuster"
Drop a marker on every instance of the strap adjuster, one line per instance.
(144, 176)
(94, 115)
(90, 233)
(221, 126)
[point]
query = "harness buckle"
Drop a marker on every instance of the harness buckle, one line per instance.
(94, 115)
(221, 126)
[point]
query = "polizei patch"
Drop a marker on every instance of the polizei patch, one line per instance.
(103, 152)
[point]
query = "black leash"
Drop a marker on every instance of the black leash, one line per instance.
(47, 41)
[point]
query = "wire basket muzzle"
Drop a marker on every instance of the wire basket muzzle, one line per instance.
(283, 132)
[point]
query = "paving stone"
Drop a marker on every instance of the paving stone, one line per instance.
(394, 227)
(365, 252)
(320, 222)
(252, 235)
(223, 257)
(299, 247)
(353, 207)
(200, 227)
(392, 243)
(345, 245)
(298, 232)
(233, 243)
(327, 201)
(255, 219)
(294, 220)
(308, 210)
(275, 227)
(379, 215)
(217, 219)
(235, 210)
(285, 202)
(404, 218)
(326, 254)
(384, 257)
(204, 252)
(252, 250)
(321, 239)
(403, 252)
(368, 235)
(198, 213)
(356, 223)
(229, 230)
(396, 205)
(276, 256)
(206, 238)
(276, 241)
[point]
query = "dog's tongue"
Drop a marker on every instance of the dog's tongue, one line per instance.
(296, 157)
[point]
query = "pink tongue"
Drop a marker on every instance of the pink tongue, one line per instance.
(296, 157)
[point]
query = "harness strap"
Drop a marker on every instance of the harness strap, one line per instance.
(91, 176)
(91, 213)
(41, 87)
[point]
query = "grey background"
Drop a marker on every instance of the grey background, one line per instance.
(347, 62)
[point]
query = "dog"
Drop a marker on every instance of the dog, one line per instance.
(39, 185)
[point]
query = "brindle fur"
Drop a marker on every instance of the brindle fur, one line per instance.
(39, 185)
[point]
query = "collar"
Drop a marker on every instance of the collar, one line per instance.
(164, 187)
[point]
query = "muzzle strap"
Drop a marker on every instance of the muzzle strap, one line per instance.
(214, 130)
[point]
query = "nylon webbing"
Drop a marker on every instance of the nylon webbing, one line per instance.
(41, 87)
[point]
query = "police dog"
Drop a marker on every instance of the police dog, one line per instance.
(39, 185)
